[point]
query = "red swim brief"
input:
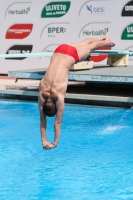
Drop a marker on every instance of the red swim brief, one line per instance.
(68, 50)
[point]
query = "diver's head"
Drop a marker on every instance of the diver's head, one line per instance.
(49, 107)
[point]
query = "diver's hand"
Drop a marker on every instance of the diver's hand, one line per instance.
(49, 145)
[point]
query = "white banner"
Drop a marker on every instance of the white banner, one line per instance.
(40, 26)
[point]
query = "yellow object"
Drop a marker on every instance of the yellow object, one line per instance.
(82, 65)
(118, 60)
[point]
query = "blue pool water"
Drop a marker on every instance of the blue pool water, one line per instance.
(93, 161)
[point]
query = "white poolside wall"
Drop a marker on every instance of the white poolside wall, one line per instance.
(103, 18)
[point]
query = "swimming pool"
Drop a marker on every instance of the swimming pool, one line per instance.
(93, 161)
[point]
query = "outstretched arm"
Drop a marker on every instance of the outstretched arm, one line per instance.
(46, 145)
(58, 120)
(42, 126)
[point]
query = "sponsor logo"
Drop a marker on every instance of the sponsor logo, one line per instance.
(99, 58)
(18, 49)
(49, 48)
(55, 9)
(55, 30)
(19, 31)
(127, 10)
(127, 33)
(19, 12)
(95, 32)
(93, 7)
(95, 10)
(90, 30)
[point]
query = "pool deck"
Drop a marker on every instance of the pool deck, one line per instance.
(102, 85)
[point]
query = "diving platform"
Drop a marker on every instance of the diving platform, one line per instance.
(97, 74)
(117, 69)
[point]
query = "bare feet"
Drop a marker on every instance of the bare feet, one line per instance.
(109, 42)
(104, 38)
(48, 145)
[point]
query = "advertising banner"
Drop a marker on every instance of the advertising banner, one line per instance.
(40, 26)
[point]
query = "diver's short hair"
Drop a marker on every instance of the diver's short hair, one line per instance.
(49, 107)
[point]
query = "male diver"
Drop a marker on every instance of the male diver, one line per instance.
(53, 85)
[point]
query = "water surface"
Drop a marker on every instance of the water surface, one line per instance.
(93, 161)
